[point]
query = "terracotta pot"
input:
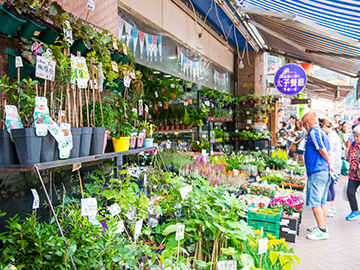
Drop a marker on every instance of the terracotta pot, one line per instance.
(257, 101)
(243, 115)
(258, 120)
(172, 127)
(187, 127)
(167, 127)
(183, 126)
(157, 128)
(139, 85)
(237, 138)
(174, 96)
(166, 105)
(177, 127)
(162, 127)
(221, 119)
(251, 101)
(243, 102)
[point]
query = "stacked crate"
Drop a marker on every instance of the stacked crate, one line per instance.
(270, 223)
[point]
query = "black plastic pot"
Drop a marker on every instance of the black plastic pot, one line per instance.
(76, 137)
(7, 149)
(48, 148)
(97, 141)
(85, 143)
(28, 145)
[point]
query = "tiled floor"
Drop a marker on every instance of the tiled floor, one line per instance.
(341, 250)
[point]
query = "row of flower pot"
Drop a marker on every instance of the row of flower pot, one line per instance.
(176, 127)
(27, 148)
(220, 119)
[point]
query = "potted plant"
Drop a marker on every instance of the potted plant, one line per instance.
(27, 144)
(122, 128)
(10, 19)
(249, 119)
(149, 129)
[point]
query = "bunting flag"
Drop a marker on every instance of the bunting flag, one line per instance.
(193, 67)
(178, 54)
(128, 28)
(120, 26)
(184, 64)
(141, 41)
(150, 47)
(159, 41)
(154, 47)
(135, 38)
(147, 46)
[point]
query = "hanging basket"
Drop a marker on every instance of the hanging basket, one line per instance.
(31, 29)
(10, 23)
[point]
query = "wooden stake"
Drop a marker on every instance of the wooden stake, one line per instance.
(87, 105)
(45, 88)
(178, 251)
(81, 187)
(61, 101)
(36, 90)
(260, 261)
(101, 109)
(69, 104)
(93, 90)
(75, 114)
(80, 108)
(52, 100)
(18, 74)
(4, 116)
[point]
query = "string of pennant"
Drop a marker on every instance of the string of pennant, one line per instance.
(191, 69)
(221, 79)
(153, 43)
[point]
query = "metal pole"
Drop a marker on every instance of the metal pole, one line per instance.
(53, 211)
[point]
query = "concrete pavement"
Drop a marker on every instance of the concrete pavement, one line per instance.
(341, 250)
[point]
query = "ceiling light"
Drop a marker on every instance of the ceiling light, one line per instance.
(199, 44)
(241, 64)
(172, 57)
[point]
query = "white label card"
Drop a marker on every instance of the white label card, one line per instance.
(237, 131)
(262, 245)
(227, 265)
(138, 228)
(172, 85)
(120, 226)
(185, 191)
(90, 5)
(114, 66)
(114, 209)
(45, 68)
(207, 103)
(88, 206)
(246, 268)
(127, 81)
(186, 103)
(156, 94)
(18, 62)
(284, 222)
(36, 201)
(180, 230)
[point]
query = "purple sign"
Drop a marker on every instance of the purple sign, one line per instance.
(290, 79)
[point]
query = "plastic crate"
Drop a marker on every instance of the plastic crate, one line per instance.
(275, 233)
(252, 215)
(265, 225)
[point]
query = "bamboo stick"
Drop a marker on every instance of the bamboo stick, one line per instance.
(80, 108)
(93, 90)
(45, 85)
(52, 100)
(4, 116)
(36, 90)
(101, 108)
(81, 186)
(76, 116)
(61, 102)
(86, 92)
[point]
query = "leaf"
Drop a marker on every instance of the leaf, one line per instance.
(273, 256)
(246, 260)
(201, 263)
(171, 229)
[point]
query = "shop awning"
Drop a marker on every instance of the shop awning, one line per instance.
(317, 88)
(323, 32)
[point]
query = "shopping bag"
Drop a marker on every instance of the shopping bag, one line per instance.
(345, 168)
(344, 193)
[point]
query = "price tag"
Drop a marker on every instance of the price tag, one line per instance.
(156, 94)
(76, 166)
(88, 206)
(262, 245)
(207, 103)
(185, 191)
(172, 85)
(124, 49)
(241, 147)
(257, 148)
(90, 5)
(284, 222)
(296, 215)
(247, 112)
(115, 67)
(127, 81)
(18, 62)
(146, 108)
(203, 152)
(236, 131)
(186, 103)
(180, 232)
(227, 265)
(138, 228)
(114, 209)
(120, 226)
(36, 201)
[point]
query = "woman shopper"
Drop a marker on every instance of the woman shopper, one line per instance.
(335, 145)
(299, 141)
(354, 175)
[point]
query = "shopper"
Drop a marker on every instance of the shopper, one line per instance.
(335, 145)
(292, 121)
(280, 119)
(354, 175)
(337, 118)
(317, 162)
(299, 141)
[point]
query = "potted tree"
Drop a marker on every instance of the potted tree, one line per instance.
(149, 129)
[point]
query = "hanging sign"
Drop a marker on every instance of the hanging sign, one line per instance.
(154, 47)
(159, 42)
(128, 28)
(45, 68)
(290, 79)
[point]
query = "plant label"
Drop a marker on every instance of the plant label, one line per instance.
(237, 131)
(124, 49)
(236, 172)
(93, 220)
(41, 116)
(141, 138)
(63, 137)
(257, 178)
(79, 71)
(90, 5)
(284, 222)
(185, 191)
(18, 62)
(186, 103)
(114, 66)
(130, 214)
(120, 226)
(45, 68)
(147, 110)
(91, 84)
(203, 152)
(172, 85)
(262, 245)
(241, 147)
(156, 94)
(138, 228)
(207, 103)
(12, 118)
(88, 206)
(247, 112)
(76, 166)
(134, 110)
(257, 148)
(246, 268)
(127, 81)
(36, 201)
(68, 32)
(227, 265)
(114, 209)
(141, 107)
(180, 230)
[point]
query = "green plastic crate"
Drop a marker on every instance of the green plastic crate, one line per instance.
(252, 215)
(268, 226)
